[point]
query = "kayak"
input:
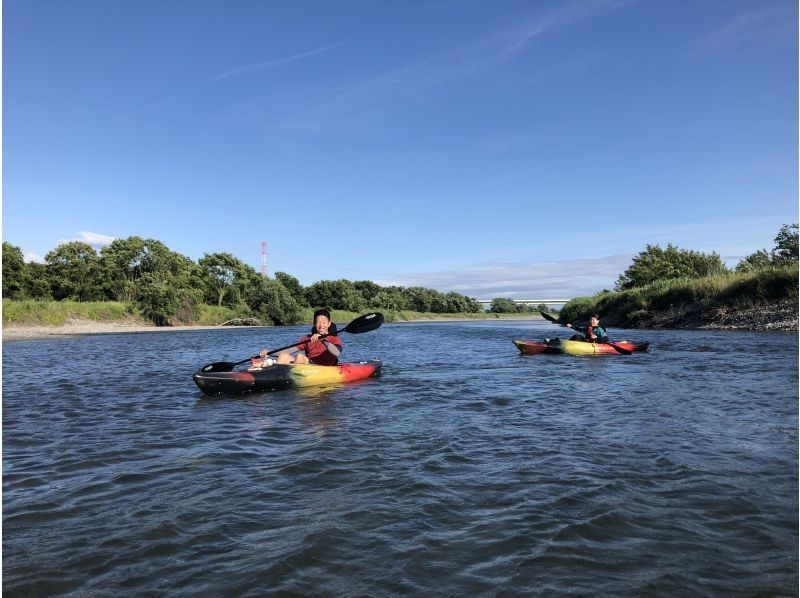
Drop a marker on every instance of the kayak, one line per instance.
(280, 377)
(549, 346)
(556, 345)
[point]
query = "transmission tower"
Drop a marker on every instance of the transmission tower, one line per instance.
(264, 259)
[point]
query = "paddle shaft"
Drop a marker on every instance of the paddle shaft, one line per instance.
(281, 349)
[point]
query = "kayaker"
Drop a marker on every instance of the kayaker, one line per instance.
(593, 333)
(312, 349)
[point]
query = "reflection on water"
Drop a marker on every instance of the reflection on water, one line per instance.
(465, 469)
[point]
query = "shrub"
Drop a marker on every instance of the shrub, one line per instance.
(654, 264)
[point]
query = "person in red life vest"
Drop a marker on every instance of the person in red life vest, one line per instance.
(321, 347)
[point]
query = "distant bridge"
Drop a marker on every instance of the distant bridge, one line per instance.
(533, 302)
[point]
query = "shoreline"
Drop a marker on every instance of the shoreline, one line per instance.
(86, 327)
(76, 328)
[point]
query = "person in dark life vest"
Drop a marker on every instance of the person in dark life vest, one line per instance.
(313, 348)
(593, 333)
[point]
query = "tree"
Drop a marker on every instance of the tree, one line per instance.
(74, 272)
(220, 271)
(123, 263)
(13, 271)
(502, 305)
(755, 261)
(785, 252)
(273, 302)
(368, 289)
(166, 285)
(655, 263)
(786, 245)
(335, 294)
(161, 301)
(419, 298)
(34, 283)
(291, 284)
(457, 303)
(390, 298)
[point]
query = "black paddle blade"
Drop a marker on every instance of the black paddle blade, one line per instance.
(618, 349)
(225, 366)
(547, 316)
(365, 323)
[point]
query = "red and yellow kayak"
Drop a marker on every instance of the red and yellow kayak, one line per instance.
(279, 377)
(554, 346)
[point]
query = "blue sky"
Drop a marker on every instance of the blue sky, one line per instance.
(524, 149)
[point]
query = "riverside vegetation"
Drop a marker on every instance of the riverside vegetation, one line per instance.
(686, 289)
(139, 280)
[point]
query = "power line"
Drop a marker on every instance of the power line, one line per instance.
(337, 266)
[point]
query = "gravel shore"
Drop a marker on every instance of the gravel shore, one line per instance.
(778, 315)
(80, 327)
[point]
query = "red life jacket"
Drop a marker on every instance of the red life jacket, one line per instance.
(317, 352)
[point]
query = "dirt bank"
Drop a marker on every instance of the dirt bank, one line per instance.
(780, 315)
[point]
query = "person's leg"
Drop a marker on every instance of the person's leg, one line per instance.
(300, 358)
(284, 358)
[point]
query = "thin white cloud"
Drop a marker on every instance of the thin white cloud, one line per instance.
(745, 29)
(29, 257)
(468, 59)
(273, 63)
(95, 239)
(547, 280)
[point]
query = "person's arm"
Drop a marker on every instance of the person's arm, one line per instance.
(332, 348)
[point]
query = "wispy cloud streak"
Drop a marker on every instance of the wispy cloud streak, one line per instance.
(273, 63)
(96, 240)
(745, 29)
(466, 60)
(549, 280)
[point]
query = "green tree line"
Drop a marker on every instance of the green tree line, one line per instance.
(656, 264)
(168, 287)
(664, 277)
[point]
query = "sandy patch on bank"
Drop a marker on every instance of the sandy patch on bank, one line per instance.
(78, 327)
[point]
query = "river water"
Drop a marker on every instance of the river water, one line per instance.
(465, 469)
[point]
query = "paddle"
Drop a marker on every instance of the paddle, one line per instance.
(617, 348)
(361, 324)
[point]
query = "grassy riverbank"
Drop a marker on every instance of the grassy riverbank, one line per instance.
(61, 313)
(58, 313)
(761, 300)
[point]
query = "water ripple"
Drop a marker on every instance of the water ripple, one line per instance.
(466, 469)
